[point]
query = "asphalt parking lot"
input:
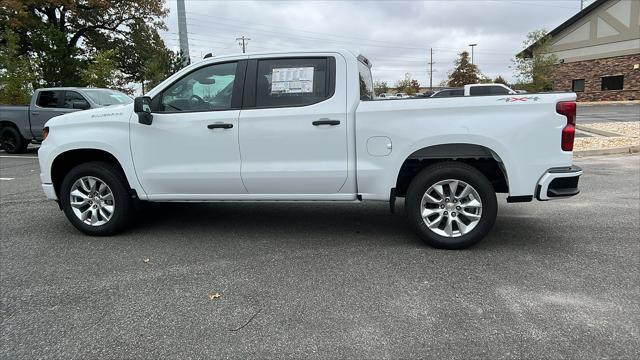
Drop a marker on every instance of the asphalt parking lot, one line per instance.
(552, 280)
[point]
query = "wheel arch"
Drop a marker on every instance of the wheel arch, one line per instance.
(67, 160)
(481, 157)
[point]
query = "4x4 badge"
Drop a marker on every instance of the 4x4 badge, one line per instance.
(516, 99)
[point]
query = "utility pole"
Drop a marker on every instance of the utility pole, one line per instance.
(243, 44)
(581, 5)
(183, 35)
(431, 69)
(472, 46)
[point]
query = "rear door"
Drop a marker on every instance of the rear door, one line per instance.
(293, 131)
(48, 104)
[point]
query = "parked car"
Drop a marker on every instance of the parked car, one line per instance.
(476, 90)
(21, 125)
(487, 89)
(402, 95)
(448, 93)
(299, 126)
(385, 96)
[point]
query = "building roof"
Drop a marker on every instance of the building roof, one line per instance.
(582, 13)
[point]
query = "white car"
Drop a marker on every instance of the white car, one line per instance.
(300, 126)
(487, 89)
(476, 90)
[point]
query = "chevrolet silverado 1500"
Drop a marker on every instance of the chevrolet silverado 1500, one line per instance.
(304, 126)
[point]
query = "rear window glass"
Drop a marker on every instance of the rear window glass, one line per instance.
(366, 82)
(292, 82)
(48, 99)
(480, 90)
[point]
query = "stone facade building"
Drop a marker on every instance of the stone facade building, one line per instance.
(598, 52)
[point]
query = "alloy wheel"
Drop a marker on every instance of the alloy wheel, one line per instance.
(451, 208)
(92, 200)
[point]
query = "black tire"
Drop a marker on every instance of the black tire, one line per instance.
(11, 140)
(113, 177)
(457, 171)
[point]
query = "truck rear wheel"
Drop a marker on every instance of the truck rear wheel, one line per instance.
(11, 140)
(95, 198)
(451, 205)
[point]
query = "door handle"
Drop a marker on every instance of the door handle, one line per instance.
(35, 113)
(325, 121)
(219, 126)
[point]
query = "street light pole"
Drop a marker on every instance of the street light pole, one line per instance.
(472, 46)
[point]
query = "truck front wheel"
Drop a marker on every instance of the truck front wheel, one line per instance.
(451, 205)
(95, 198)
(11, 140)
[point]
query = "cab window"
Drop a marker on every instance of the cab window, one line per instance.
(292, 82)
(73, 100)
(366, 82)
(48, 99)
(207, 89)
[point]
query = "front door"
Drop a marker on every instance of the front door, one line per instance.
(190, 151)
(293, 130)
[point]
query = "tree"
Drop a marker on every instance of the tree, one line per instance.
(62, 34)
(535, 65)
(380, 87)
(415, 85)
(405, 85)
(484, 79)
(177, 60)
(16, 73)
(101, 72)
(464, 72)
(500, 80)
(134, 54)
(154, 72)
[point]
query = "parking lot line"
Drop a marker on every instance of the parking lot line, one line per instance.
(18, 157)
(6, 179)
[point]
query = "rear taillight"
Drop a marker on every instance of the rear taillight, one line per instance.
(568, 109)
(45, 133)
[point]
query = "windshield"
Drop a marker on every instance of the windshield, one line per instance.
(106, 97)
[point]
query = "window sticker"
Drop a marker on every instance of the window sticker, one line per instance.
(292, 80)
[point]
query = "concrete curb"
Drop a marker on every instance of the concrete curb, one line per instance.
(597, 131)
(619, 150)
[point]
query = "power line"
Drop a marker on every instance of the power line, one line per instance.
(360, 41)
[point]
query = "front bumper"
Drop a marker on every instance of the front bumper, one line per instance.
(49, 191)
(558, 183)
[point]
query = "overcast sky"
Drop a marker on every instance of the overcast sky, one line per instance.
(394, 35)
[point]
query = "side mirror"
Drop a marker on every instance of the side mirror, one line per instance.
(142, 107)
(82, 105)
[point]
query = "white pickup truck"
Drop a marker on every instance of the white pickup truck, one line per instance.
(304, 126)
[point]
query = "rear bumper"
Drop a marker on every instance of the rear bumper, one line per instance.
(558, 183)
